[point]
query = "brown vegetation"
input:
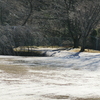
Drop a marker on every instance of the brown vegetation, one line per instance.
(86, 50)
(47, 23)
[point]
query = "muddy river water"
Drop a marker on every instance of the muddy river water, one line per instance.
(44, 78)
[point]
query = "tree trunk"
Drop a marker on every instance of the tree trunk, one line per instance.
(83, 44)
(76, 43)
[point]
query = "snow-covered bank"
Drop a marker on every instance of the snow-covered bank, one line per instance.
(90, 61)
(65, 76)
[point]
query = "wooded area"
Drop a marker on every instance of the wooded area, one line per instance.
(49, 22)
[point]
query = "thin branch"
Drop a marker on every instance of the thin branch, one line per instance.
(31, 9)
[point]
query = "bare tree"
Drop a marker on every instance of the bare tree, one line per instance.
(72, 21)
(83, 17)
(89, 17)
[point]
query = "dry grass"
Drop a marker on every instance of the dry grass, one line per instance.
(86, 50)
(52, 96)
(88, 99)
(27, 48)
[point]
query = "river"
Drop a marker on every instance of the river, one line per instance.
(44, 78)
